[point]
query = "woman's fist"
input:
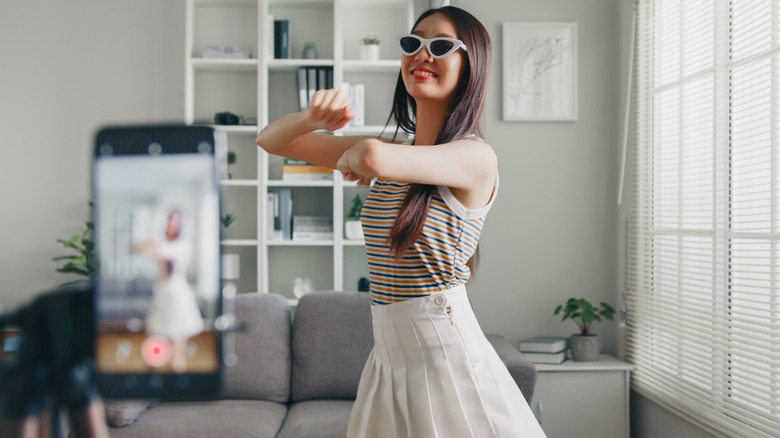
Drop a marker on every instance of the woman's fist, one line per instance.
(330, 110)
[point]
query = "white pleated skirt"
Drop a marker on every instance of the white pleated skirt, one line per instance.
(432, 373)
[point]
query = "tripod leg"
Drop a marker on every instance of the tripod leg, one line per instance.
(27, 427)
(90, 422)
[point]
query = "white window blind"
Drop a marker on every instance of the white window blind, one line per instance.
(703, 256)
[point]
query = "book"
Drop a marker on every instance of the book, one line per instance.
(312, 235)
(359, 104)
(312, 223)
(297, 170)
(311, 82)
(546, 358)
(303, 93)
(273, 216)
(544, 344)
(269, 29)
(282, 46)
(285, 213)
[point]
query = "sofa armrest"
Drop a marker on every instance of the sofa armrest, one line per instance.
(522, 370)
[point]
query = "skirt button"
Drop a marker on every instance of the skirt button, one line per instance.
(439, 300)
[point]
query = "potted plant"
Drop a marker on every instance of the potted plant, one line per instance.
(231, 159)
(310, 50)
(81, 263)
(369, 51)
(352, 228)
(585, 345)
(227, 220)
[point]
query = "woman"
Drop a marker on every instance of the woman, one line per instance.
(174, 312)
(431, 372)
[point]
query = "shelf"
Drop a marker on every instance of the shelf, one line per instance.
(242, 129)
(239, 182)
(239, 242)
(264, 88)
(224, 64)
(300, 243)
(225, 3)
(280, 183)
(387, 65)
(295, 64)
(301, 3)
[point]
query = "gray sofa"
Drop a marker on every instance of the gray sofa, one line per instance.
(296, 377)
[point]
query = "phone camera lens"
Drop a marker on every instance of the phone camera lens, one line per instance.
(204, 147)
(106, 149)
(155, 149)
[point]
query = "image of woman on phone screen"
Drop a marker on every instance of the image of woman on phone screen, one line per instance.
(431, 372)
(174, 312)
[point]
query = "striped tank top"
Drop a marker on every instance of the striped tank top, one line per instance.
(436, 261)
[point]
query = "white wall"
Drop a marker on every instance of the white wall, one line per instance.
(552, 233)
(67, 68)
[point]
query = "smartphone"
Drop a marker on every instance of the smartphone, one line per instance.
(157, 252)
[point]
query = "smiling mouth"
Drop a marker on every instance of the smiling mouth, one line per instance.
(424, 74)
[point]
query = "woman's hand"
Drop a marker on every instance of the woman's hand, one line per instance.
(330, 110)
(350, 164)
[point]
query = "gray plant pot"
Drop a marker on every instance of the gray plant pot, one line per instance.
(585, 348)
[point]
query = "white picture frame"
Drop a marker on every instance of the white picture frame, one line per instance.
(540, 72)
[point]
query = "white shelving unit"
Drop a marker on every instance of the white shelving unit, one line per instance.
(263, 88)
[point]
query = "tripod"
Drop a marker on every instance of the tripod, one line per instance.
(53, 368)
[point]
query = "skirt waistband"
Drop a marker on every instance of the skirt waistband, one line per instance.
(435, 301)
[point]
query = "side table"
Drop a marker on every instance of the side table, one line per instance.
(583, 399)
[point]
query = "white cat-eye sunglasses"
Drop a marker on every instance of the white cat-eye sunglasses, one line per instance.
(439, 47)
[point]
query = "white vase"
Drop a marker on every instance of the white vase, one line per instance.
(369, 52)
(353, 230)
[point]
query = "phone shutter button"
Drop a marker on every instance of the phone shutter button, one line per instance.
(131, 382)
(183, 381)
(156, 381)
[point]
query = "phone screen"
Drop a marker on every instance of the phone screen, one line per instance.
(156, 215)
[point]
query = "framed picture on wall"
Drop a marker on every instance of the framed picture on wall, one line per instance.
(540, 71)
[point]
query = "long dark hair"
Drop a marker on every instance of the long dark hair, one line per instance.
(461, 120)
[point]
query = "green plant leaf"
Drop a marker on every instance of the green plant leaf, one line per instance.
(67, 269)
(65, 257)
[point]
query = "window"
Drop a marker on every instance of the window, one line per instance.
(703, 253)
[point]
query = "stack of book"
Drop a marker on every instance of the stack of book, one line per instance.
(312, 228)
(545, 349)
(297, 170)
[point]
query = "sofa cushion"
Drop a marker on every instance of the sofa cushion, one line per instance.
(317, 419)
(332, 336)
(263, 350)
(220, 418)
(523, 371)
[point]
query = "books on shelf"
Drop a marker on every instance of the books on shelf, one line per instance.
(279, 215)
(311, 79)
(282, 45)
(545, 349)
(312, 228)
(357, 94)
(297, 170)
